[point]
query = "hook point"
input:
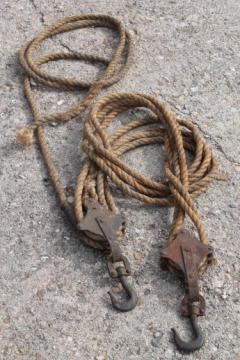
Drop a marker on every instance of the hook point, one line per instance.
(129, 303)
(196, 343)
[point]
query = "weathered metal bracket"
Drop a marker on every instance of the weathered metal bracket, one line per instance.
(185, 255)
(172, 255)
(104, 225)
(98, 214)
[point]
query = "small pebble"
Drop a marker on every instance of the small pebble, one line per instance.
(181, 100)
(33, 82)
(70, 199)
(53, 123)
(156, 342)
(218, 283)
(138, 231)
(169, 354)
(235, 267)
(139, 301)
(137, 255)
(101, 357)
(147, 291)
(106, 276)
(224, 296)
(151, 327)
(60, 102)
(194, 90)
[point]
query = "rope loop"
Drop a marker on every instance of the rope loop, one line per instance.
(116, 67)
(189, 168)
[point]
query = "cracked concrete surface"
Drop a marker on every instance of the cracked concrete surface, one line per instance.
(53, 289)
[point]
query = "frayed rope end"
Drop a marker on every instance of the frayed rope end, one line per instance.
(25, 136)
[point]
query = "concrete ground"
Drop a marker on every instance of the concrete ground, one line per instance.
(53, 289)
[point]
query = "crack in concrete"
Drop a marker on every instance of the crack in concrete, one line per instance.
(40, 13)
(66, 46)
(207, 134)
(216, 144)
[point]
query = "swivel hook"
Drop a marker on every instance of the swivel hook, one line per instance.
(194, 344)
(129, 303)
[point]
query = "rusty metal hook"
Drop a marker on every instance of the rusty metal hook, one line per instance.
(129, 303)
(194, 344)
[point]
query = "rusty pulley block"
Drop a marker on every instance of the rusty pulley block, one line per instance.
(102, 224)
(188, 258)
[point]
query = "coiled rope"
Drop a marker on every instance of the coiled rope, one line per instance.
(185, 177)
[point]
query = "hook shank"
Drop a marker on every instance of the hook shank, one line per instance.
(129, 303)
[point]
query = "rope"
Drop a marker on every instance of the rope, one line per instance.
(185, 180)
(186, 175)
(116, 68)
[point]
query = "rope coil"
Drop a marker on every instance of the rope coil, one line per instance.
(185, 179)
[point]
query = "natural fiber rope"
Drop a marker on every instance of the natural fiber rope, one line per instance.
(185, 179)
(114, 72)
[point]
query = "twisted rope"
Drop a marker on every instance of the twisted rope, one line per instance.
(185, 177)
(116, 68)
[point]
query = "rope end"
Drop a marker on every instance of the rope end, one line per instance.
(25, 136)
